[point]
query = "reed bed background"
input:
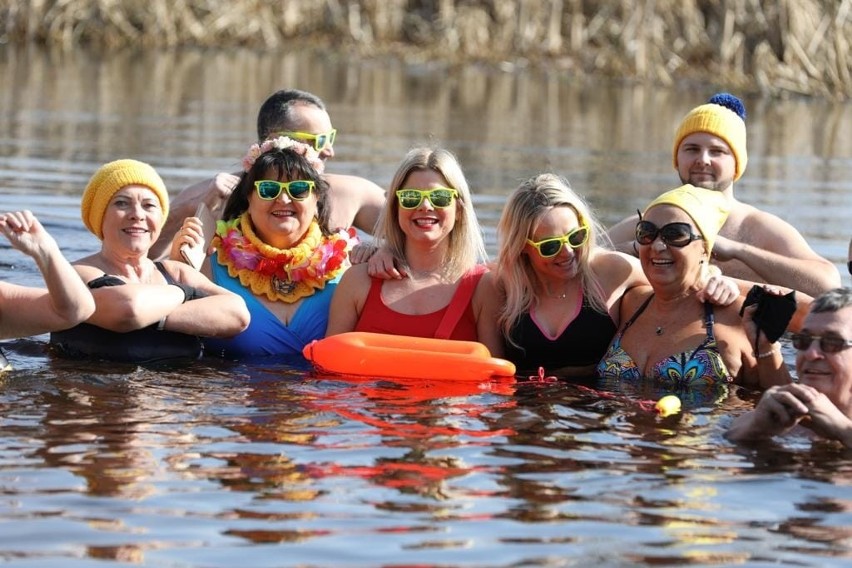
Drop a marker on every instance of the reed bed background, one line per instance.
(769, 46)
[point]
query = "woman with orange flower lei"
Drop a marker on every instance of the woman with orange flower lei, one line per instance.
(274, 249)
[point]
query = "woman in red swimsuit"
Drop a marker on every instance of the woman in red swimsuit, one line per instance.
(430, 230)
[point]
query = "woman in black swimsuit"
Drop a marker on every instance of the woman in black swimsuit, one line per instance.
(143, 309)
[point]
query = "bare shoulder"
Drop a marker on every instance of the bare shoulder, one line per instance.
(356, 278)
(349, 184)
(354, 201)
(613, 260)
(616, 269)
(488, 284)
(88, 268)
(180, 271)
(634, 297)
(762, 228)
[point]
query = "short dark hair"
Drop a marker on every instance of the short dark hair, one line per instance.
(276, 112)
(832, 301)
(287, 165)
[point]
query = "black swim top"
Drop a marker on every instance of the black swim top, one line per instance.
(146, 345)
(581, 344)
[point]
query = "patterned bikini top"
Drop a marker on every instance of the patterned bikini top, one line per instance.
(699, 369)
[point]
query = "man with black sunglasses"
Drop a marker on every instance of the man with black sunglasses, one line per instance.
(710, 152)
(354, 201)
(821, 400)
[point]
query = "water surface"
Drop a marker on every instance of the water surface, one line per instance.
(219, 464)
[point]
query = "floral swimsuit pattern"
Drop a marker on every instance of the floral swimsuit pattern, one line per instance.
(700, 369)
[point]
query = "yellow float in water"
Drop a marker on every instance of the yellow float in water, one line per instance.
(668, 405)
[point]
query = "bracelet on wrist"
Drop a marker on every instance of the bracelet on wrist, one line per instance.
(769, 353)
(162, 324)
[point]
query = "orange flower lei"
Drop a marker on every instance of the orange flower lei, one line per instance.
(283, 275)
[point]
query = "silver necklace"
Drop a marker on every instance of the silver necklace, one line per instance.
(550, 294)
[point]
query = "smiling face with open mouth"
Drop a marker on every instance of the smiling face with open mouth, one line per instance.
(283, 221)
(560, 223)
(426, 222)
(665, 263)
(133, 219)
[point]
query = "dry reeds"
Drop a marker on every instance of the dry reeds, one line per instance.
(772, 46)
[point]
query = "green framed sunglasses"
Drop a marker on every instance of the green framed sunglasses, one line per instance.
(298, 190)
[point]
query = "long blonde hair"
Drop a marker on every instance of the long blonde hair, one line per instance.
(466, 246)
(524, 210)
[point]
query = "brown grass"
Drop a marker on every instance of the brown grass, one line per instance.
(771, 46)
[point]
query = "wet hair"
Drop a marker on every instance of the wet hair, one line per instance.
(285, 165)
(832, 301)
(522, 213)
(466, 247)
(277, 112)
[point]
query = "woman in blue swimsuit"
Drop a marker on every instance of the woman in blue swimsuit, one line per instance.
(670, 336)
(274, 248)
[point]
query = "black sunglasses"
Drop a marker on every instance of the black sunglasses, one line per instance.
(673, 234)
(803, 341)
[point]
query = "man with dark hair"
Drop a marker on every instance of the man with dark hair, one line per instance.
(710, 152)
(821, 400)
(302, 116)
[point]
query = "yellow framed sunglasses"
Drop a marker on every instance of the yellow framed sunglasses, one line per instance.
(319, 141)
(439, 197)
(298, 190)
(552, 246)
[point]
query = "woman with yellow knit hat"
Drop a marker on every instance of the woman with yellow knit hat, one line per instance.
(275, 249)
(670, 337)
(143, 309)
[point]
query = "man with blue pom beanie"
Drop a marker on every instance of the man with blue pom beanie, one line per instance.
(710, 152)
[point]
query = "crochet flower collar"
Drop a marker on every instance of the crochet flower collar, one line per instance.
(285, 275)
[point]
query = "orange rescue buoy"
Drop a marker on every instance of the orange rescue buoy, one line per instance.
(378, 355)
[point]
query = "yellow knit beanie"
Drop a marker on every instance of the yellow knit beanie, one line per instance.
(722, 116)
(708, 209)
(108, 180)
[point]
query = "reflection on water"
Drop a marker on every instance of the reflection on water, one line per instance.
(147, 466)
(220, 465)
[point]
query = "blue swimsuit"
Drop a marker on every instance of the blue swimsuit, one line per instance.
(267, 335)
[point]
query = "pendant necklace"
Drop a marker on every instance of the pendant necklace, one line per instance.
(550, 294)
(660, 329)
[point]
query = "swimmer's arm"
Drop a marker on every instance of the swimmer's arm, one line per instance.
(348, 300)
(219, 313)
